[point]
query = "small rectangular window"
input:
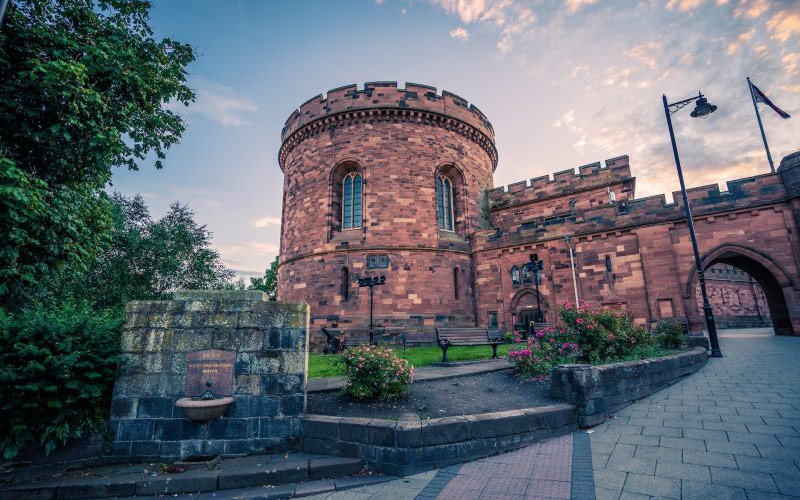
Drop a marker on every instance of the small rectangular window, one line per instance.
(377, 262)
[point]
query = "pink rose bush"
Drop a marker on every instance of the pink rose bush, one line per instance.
(375, 372)
(584, 335)
(533, 358)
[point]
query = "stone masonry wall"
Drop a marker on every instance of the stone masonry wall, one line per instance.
(270, 342)
(598, 391)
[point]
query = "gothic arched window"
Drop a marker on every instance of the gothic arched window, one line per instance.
(455, 282)
(351, 201)
(515, 275)
(444, 202)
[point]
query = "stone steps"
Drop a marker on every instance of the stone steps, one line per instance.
(257, 476)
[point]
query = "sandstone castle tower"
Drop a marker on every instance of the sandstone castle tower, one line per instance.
(384, 181)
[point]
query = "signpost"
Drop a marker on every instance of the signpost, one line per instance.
(371, 283)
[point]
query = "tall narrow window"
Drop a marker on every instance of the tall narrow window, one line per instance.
(455, 282)
(351, 201)
(515, 275)
(345, 285)
(444, 202)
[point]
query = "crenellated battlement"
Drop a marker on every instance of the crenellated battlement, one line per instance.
(376, 95)
(589, 176)
(709, 200)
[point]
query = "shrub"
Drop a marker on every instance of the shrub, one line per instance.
(57, 369)
(535, 356)
(605, 334)
(670, 333)
(375, 372)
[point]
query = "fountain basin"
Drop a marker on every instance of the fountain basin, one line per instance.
(203, 410)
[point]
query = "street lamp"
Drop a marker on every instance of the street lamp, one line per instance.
(702, 109)
(371, 282)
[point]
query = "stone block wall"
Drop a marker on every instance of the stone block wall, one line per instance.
(598, 391)
(411, 445)
(270, 340)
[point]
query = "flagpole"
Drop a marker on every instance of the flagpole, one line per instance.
(760, 125)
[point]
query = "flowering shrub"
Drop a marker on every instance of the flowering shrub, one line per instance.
(376, 373)
(670, 333)
(605, 334)
(585, 335)
(535, 356)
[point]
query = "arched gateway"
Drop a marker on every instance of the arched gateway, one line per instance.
(398, 182)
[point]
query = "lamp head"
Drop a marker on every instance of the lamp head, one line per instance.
(702, 108)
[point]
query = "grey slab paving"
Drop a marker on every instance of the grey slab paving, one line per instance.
(730, 431)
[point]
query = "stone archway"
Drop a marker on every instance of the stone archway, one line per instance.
(779, 288)
(524, 305)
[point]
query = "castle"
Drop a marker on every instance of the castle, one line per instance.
(398, 182)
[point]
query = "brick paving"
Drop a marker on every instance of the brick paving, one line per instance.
(730, 431)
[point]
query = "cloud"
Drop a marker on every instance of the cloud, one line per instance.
(248, 258)
(751, 9)
(459, 34)
(784, 25)
(566, 119)
(218, 103)
(644, 53)
(265, 221)
(575, 5)
(510, 17)
(683, 5)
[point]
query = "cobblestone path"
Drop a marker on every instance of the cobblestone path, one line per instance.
(730, 431)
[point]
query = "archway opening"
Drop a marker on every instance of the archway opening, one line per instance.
(527, 309)
(743, 293)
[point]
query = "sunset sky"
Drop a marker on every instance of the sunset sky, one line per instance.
(564, 84)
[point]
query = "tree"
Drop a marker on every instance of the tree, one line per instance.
(268, 283)
(150, 259)
(83, 88)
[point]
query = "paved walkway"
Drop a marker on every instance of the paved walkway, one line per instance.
(730, 431)
(425, 373)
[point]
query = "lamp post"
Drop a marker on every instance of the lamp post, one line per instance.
(371, 283)
(537, 266)
(701, 110)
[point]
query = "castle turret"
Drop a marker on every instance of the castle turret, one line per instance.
(384, 181)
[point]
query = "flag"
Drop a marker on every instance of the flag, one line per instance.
(760, 97)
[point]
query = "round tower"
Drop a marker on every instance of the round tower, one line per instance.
(383, 181)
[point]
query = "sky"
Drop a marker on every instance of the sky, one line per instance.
(563, 83)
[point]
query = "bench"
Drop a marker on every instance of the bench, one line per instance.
(337, 340)
(466, 335)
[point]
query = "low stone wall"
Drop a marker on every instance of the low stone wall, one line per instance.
(598, 391)
(411, 445)
(268, 343)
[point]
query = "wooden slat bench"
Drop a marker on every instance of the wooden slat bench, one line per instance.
(540, 327)
(466, 335)
(337, 340)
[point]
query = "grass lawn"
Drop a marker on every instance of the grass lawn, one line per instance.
(327, 365)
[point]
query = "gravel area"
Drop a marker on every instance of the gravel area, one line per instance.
(469, 395)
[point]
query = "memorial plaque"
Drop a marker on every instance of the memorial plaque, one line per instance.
(211, 365)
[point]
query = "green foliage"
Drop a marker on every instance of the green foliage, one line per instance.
(149, 259)
(269, 283)
(83, 89)
(375, 372)
(671, 333)
(55, 368)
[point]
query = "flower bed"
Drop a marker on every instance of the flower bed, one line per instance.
(585, 335)
(375, 372)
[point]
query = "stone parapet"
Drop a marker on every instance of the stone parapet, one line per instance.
(269, 341)
(599, 391)
(411, 445)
